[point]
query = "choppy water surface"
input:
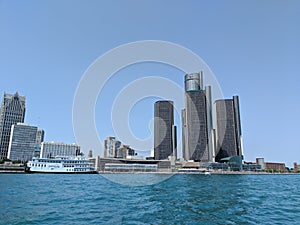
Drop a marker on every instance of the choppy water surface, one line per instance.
(181, 199)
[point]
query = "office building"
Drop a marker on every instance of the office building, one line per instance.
(53, 149)
(197, 127)
(228, 128)
(164, 130)
(22, 143)
(12, 111)
(111, 146)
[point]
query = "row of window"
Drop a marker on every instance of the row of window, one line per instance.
(45, 165)
(37, 165)
(76, 165)
(57, 161)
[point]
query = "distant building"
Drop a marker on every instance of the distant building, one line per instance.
(251, 166)
(197, 130)
(275, 166)
(22, 145)
(164, 130)
(39, 139)
(124, 151)
(52, 149)
(228, 128)
(90, 155)
(296, 167)
(261, 162)
(12, 111)
(111, 146)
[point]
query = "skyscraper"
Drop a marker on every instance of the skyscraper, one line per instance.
(164, 130)
(197, 120)
(22, 144)
(228, 128)
(12, 111)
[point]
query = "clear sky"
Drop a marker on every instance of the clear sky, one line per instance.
(253, 48)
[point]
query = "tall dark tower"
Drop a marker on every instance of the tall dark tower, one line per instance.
(228, 128)
(164, 132)
(197, 120)
(12, 111)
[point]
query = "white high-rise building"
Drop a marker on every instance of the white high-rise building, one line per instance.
(53, 149)
(22, 144)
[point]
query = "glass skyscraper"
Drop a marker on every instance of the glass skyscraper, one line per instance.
(164, 130)
(228, 128)
(12, 111)
(197, 120)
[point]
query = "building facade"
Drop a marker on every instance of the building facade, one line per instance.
(197, 127)
(22, 144)
(275, 167)
(164, 130)
(228, 129)
(111, 146)
(12, 111)
(53, 149)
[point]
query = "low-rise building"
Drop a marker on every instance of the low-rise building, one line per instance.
(280, 167)
(131, 165)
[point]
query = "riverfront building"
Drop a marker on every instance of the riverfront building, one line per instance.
(228, 128)
(22, 144)
(197, 127)
(276, 167)
(12, 111)
(164, 130)
(131, 165)
(52, 149)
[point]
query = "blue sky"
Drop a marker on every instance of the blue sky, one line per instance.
(253, 48)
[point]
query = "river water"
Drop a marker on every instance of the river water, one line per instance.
(179, 199)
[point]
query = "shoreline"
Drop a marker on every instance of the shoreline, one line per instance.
(200, 173)
(21, 170)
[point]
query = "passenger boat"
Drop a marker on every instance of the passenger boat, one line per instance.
(76, 164)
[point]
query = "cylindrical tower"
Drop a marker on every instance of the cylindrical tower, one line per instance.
(193, 81)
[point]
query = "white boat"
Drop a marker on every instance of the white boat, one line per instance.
(59, 165)
(207, 173)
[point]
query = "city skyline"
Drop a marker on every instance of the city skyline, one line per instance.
(251, 47)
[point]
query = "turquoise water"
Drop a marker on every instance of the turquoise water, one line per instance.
(181, 199)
